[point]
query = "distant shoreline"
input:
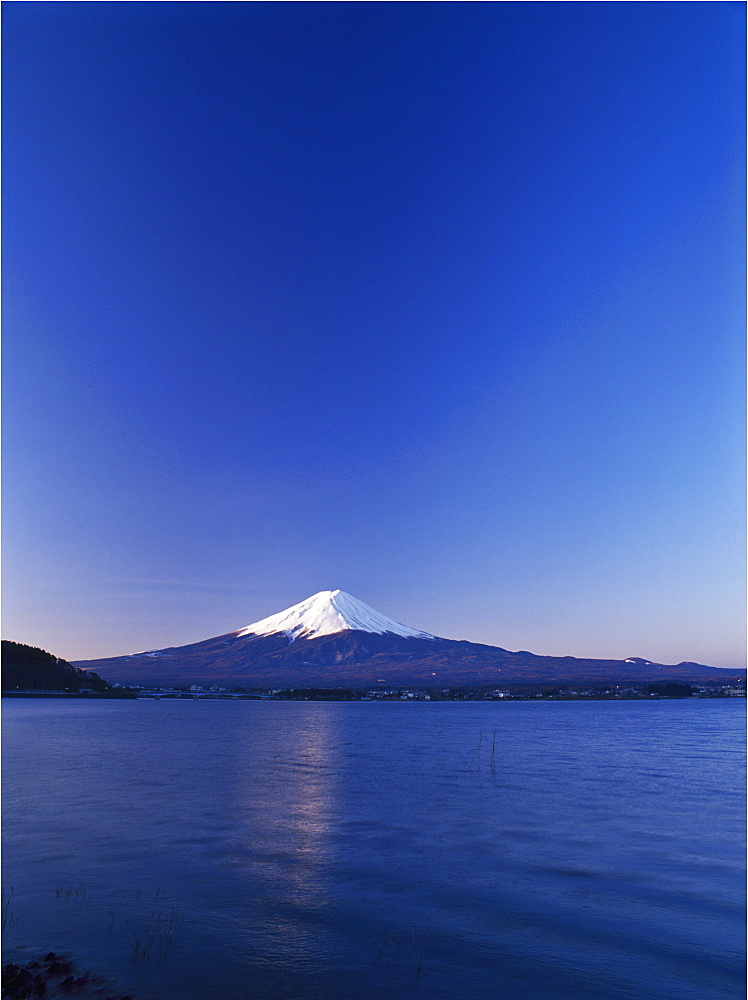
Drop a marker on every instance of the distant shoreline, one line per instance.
(125, 695)
(728, 692)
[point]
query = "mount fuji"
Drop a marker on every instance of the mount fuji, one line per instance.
(335, 640)
(329, 612)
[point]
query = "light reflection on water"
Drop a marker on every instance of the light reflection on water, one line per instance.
(284, 835)
(364, 850)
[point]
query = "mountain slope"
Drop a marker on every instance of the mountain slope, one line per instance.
(333, 639)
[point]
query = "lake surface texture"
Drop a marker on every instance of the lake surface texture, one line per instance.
(198, 850)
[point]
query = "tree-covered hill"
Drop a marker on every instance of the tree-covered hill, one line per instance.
(27, 668)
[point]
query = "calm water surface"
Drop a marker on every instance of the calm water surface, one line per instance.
(197, 850)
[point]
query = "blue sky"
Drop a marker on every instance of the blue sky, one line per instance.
(439, 304)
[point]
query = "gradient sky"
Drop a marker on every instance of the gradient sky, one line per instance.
(439, 304)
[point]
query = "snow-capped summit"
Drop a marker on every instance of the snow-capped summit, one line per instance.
(326, 613)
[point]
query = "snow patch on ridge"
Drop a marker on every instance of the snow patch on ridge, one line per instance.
(326, 613)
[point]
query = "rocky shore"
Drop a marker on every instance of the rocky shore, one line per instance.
(53, 977)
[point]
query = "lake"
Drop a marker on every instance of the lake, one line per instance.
(214, 850)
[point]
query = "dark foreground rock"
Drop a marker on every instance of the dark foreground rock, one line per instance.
(52, 977)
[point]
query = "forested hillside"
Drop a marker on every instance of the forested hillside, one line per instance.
(27, 668)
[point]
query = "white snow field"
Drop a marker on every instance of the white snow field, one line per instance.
(326, 613)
